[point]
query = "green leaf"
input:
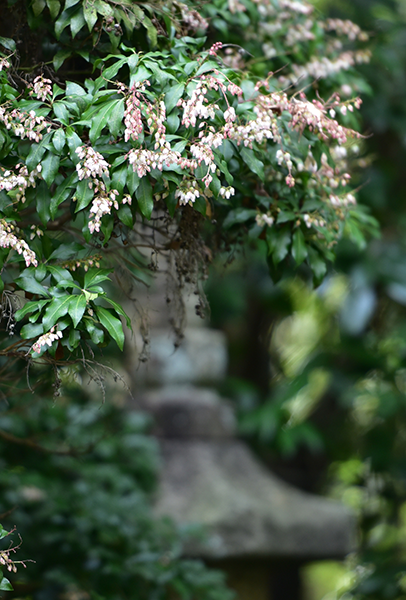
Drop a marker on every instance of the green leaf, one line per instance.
(144, 197)
(5, 585)
(59, 139)
(278, 242)
(8, 43)
(96, 333)
(62, 192)
(30, 307)
(50, 166)
(57, 309)
(151, 31)
(77, 21)
(70, 3)
(239, 215)
(119, 310)
(31, 285)
(112, 324)
(90, 15)
(101, 119)
(54, 7)
(43, 202)
(83, 195)
(116, 118)
(74, 142)
(60, 57)
(61, 112)
(38, 6)
(59, 273)
(133, 181)
(77, 308)
(125, 215)
(35, 154)
(62, 23)
(299, 250)
(95, 276)
(172, 97)
(252, 162)
(317, 264)
(119, 178)
(31, 331)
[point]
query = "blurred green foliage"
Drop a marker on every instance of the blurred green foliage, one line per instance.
(334, 398)
(77, 479)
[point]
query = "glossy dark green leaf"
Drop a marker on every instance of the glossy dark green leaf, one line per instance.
(96, 333)
(50, 166)
(119, 309)
(59, 139)
(112, 324)
(38, 6)
(54, 7)
(35, 155)
(144, 197)
(5, 585)
(252, 162)
(30, 307)
(101, 120)
(62, 192)
(278, 242)
(31, 285)
(56, 309)
(95, 276)
(30, 331)
(83, 195)
(115, 121)
(174, 94)
(77, 21)
(90, 15)
(77, 307)
(299, 250)
(43, 200)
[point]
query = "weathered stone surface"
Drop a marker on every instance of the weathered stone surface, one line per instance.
(245, 510)
(185, 411)
(212, 479)
(202, 358)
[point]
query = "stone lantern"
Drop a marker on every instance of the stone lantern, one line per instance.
(257, 528)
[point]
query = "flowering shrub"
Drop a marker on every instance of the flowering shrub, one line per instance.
(166, 129)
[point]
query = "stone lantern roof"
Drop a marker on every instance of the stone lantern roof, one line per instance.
(211, 478)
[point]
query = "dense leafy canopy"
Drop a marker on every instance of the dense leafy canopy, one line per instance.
(129, 128)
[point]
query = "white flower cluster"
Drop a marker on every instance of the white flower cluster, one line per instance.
(284, 157)
(347, 28)
(46, 340)
(102, 205)
(227, 192)
(23, 124)
(41, 88)
(313, 115)
(9, 240)
(302, 8)
(187, 192)
(143, 160)
(265, 126)
(132, 114)
(301, 32)
(20, 180)
(344, 201)
(321, 68)
(92, 164)
(311, 220)
(263, 219)
(4, 64)
(191, 18)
